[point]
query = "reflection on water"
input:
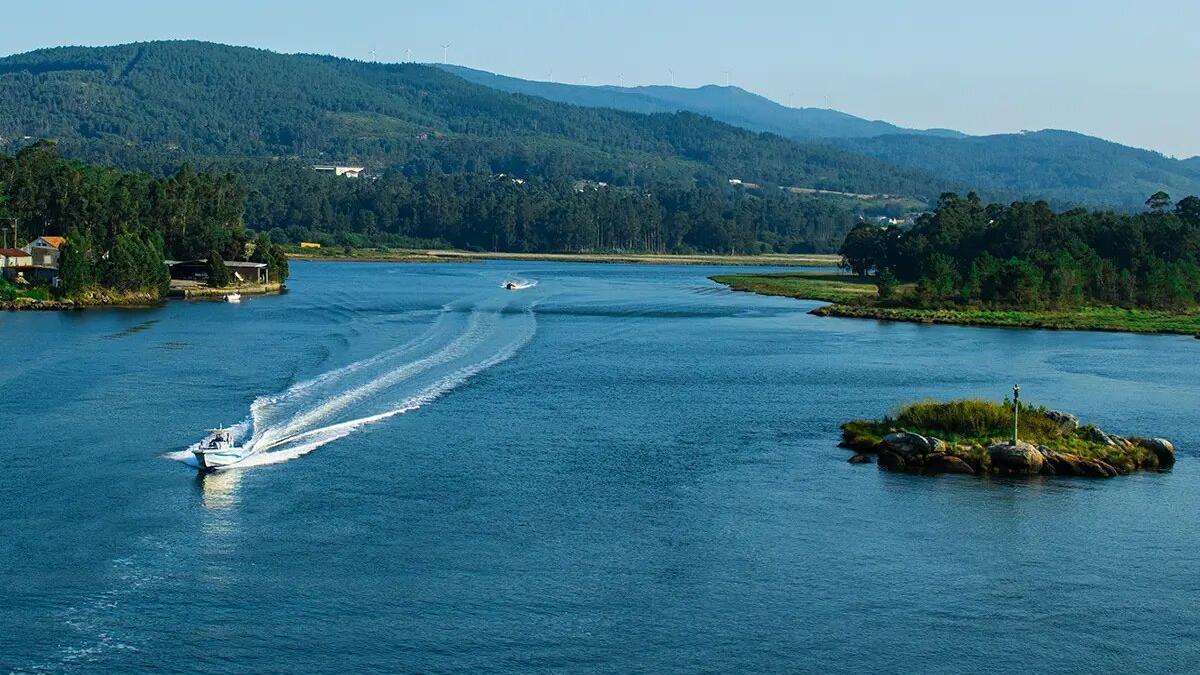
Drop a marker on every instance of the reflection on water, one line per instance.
(218, 489)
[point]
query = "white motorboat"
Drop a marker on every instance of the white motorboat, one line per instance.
(218, 451)
(233, 297)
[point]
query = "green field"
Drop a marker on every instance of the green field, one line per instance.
(855, 297)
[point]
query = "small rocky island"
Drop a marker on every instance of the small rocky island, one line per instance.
(976, 437)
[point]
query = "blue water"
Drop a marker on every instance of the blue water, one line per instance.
(623, 468)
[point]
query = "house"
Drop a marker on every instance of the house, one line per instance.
(247, 272)
(45, 251)
(197, 271)
(347, 171)
(14, 261)
(15, 257)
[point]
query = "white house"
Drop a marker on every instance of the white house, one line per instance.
(347, 171)
(45, 251)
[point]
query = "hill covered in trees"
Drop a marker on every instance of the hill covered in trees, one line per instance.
(482, 211)
(1025, 255)
(121, 226)
(732, 105)
(158, 104)
(1063, 167)
(1066, 168)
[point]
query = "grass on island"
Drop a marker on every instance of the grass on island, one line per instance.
(449, 255)
(855, 297)
(969, 426)
(827, 287)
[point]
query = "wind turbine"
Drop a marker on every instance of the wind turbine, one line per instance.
(671, 74)
(445, 53)
(726, 77)
(408, 55)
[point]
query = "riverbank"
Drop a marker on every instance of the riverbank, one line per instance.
(436, 255)
(98, 299)
(88, 300)
(199, 291)
(975, 437)
(852, 296)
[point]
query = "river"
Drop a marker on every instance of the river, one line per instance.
(621, 468)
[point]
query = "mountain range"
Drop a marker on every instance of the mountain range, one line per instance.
(1065, 167)
(154, 105)
(161, 103)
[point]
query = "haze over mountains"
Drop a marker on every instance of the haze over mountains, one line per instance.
(157, 104)
(732, 105)
(1065, 167)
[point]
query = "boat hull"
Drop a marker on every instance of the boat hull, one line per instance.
(211, 460)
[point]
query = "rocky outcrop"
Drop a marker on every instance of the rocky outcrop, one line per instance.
(943, 463)
(891, 461)
(1066, 422)
(1065, 464)
(907, 445)
(1020, 459)
(1070, 448)
(1098, 435)
(1162, 449)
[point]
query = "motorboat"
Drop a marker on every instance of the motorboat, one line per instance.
(218, 451)
(233, 297)
(510, 285)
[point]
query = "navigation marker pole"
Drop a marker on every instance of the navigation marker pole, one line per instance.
(1016, 408)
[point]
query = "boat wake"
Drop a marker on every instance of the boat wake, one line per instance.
(459, 345)
(518, 284)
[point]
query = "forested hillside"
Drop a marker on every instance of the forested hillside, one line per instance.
(1064, 167)
(482, 211)
(154, 105)
(732, 105)
(1061, 166)
(120, 226)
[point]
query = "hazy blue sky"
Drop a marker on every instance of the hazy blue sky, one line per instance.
(1127, 71)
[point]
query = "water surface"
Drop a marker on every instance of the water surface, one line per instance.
(623, 468)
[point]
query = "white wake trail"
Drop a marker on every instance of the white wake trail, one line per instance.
(305, 416)
(311, 440)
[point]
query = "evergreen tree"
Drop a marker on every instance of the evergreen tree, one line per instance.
(218, 273)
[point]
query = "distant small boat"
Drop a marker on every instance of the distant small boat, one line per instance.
(233, 297)
(510, 285)
(218, 452)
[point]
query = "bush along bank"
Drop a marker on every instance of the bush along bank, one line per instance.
(975, 437)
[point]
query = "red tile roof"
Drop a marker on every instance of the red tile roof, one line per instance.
(54, 241)
(13, 253)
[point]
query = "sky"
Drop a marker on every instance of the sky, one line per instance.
(1125, 71)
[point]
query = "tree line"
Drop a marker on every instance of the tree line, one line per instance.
(1026, 255)
(501, 212)
(121, 226)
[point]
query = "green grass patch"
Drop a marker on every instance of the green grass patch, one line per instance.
(828, 287)
(855, 297)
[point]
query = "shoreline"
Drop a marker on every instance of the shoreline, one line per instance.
(207, 292)
(136, 300)
(849, 297)
(447, 255)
